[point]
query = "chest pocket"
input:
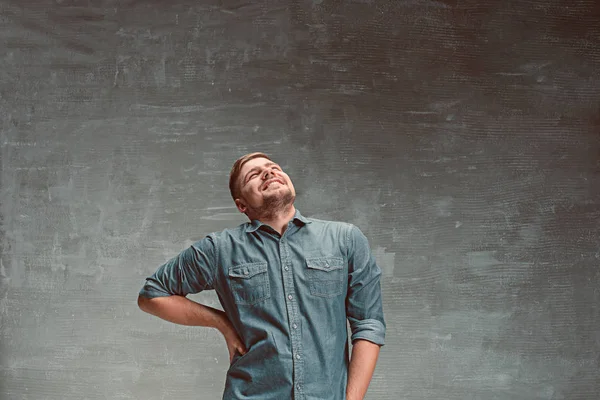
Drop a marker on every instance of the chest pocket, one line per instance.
(326, 276)
(249, 283)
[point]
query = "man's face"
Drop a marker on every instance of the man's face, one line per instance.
(264, 188)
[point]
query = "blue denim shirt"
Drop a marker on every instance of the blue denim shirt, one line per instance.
(289, 297)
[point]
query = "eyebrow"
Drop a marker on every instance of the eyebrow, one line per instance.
(269, 164)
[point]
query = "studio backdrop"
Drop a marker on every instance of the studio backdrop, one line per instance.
(462, 137)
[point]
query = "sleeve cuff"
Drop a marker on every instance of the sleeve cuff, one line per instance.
(372, 330)
(150, 291)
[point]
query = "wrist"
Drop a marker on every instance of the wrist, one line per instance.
(222, 323)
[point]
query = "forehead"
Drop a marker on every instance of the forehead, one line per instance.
(255, 162)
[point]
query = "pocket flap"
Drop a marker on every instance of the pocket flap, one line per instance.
(247, 270)
(325, 263)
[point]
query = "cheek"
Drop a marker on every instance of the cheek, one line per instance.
(252, 190)
(249, 191)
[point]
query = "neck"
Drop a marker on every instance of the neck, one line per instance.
(279, 219)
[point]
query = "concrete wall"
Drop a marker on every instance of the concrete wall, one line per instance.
(461, 137)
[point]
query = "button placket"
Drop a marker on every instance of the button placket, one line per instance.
(288, 286)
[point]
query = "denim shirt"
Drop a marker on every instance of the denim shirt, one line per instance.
(289, 298)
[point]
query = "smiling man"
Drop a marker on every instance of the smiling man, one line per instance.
(288, 285)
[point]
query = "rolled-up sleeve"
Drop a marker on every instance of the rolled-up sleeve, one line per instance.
(191, 271)
(364, 308)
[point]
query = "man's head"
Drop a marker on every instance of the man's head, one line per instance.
(259, 187)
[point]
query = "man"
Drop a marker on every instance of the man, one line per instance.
(288, 284)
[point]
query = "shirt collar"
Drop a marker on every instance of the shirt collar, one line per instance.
(255, 224)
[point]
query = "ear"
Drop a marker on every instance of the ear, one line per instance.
(241, 206)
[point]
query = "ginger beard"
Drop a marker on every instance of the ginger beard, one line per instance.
(277, 198)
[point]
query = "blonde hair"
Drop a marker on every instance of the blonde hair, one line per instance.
(234, 187)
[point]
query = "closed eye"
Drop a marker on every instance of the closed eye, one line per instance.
(255, 172)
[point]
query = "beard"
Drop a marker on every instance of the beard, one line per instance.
(274, 204)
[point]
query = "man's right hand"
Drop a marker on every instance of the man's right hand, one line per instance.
(234, 343)
(181, 310)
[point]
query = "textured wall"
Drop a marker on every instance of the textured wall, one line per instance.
(462, 137)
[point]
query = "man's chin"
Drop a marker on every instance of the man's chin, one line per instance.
(276, 191)
(279, 199)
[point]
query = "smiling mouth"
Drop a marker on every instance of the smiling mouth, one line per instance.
(272, 181)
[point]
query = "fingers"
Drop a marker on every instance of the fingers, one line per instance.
(237, 348)
(237, 345)
(234, 345)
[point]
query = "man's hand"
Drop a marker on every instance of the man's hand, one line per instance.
(181, 310)
(234, 343)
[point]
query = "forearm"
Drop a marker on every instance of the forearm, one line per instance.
(362, 365)
(183, 311)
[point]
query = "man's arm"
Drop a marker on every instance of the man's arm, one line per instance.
(362, 365)
(163, 294)
(364, 312)
(183, 311)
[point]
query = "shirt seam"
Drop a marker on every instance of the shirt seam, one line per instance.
(215, 269)
(348, 243)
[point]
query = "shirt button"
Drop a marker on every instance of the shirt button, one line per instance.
(298, 386)
(295, 326)
(245, 272)
(290, 296)
(297, 356)
(286, 268)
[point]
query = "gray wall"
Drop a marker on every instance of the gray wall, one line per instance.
(461, 137)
